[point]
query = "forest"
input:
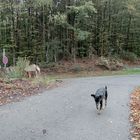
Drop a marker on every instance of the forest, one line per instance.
(43, 42)
(47, 31)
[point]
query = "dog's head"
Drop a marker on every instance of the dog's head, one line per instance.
(97, 100)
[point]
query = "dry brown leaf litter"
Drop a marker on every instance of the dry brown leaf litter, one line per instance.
(15, 90)
(135, 114)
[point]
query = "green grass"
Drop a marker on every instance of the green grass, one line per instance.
(44, 80)
(130, 71)
(94, 73)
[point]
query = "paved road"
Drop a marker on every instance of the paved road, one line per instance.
(68, 112)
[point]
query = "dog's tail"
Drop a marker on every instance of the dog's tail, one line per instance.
(106, 87)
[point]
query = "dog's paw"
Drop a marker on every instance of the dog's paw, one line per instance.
(103, 107)
(99, 112)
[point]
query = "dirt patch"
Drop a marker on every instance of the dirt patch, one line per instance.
(135, 114)
(16, 90)
(70, 66)
(88, 65)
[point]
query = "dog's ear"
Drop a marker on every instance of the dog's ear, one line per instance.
(93, 95)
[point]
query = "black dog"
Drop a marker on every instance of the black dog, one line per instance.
(100, 95)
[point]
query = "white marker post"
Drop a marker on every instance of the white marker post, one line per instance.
(3, 52)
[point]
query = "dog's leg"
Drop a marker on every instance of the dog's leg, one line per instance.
(106, 99)
(97, 106)
(105, 102)
(101, 104)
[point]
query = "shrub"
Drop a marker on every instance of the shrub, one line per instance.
(109, 63)
(18, 70)
(130, 56)
(103, 63)
(47, 65)
(76, 68)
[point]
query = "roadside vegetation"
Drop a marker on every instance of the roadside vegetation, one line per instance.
(15, 84)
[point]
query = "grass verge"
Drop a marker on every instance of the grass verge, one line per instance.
(43, 80)
(93, 73)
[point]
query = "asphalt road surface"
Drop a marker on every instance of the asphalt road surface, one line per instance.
(69, 113)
